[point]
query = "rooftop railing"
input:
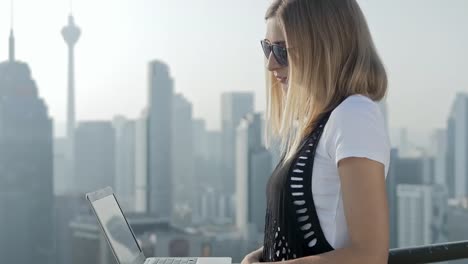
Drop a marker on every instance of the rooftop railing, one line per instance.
(429, 253)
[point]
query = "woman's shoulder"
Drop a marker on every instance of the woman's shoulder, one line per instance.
(356, 108)
(356, 103)
(357, 128)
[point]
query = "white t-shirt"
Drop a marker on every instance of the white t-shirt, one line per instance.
(356, 128)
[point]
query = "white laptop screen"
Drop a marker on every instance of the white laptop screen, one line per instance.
(117, 231)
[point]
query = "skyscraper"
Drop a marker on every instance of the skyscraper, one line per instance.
(414, 215)
(26, 170)
(406, 171)
(94, 156)
(458, 146)
(159, 140)
(182, 152)
(125, 160)
(71, 33)
(234, 106)
(253, 168)
(391, 186)
(450, 157)
(141, 163)
(61, 186)
(439, 151)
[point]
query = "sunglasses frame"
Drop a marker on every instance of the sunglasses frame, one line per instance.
(280, 53)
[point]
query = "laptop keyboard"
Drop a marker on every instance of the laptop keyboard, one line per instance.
(171, 261)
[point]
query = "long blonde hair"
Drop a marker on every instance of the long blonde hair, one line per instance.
(331, 56)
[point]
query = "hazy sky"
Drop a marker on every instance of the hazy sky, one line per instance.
(212, 46)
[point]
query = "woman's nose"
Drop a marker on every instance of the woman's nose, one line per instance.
(272, 64)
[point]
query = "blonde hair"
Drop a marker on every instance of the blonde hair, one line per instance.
(331, 56)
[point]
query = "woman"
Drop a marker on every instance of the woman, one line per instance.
(326, 197)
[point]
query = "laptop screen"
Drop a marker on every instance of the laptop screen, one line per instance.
(116, 228)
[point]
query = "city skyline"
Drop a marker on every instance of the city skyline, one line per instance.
(412, 53)
(146, 156)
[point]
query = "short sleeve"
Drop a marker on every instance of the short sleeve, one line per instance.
(356, 128)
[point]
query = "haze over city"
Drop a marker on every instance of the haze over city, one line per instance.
(213, 46)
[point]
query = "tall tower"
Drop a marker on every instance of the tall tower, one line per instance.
(12, 47)
(11, 50)
(71, 33)
(161, 97)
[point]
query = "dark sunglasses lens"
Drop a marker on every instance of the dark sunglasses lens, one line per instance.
(281, 55)
(266, 48)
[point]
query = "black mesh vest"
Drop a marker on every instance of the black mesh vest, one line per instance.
(292, 227)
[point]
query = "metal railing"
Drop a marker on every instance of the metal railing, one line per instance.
(429, 253)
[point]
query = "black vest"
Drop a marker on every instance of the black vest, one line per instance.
(292, 227)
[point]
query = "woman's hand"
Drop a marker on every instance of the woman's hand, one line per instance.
(253, 257)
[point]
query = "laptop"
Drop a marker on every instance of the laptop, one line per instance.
(121, 238)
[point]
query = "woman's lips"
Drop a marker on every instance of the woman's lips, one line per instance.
(282, 79)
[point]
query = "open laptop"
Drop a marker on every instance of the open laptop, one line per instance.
(121, 238)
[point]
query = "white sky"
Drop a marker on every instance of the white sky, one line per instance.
(212, 46)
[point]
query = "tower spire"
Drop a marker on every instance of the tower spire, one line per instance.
(71, 33)
(12, 37)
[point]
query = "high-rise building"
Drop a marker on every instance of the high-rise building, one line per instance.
(260, 171)
(391, 185)
(62, 182)
(457, 229)
(253, 167)
(208, 158)
(182, 152)
(439, 152)
(71, 33)
(159, 139)
(403, 171)
(26, 169)
(450, 157)
(457, 149)
(234, 106)
(67, 207)
(94, 156)
(125, 160)
(404, 147)
(141, 163)
(414, 215)
(200, 146)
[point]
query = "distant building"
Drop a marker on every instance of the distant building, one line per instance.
(67, 208)
(234, 106)
(94, 156)
(125, 161)
(207, 155)
(182, 151)
(450, 157)
(414, 215)
(456, 227)
(412, 171)
(62, 182)
(88, 242)
(141, 163)
(161, 90)
(439, 152)
(26, 167)
(253, 168)
(457, 147)
(391, 185)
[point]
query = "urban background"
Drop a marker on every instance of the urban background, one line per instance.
(164, 101)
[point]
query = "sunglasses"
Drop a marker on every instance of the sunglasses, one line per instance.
(279, 52)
